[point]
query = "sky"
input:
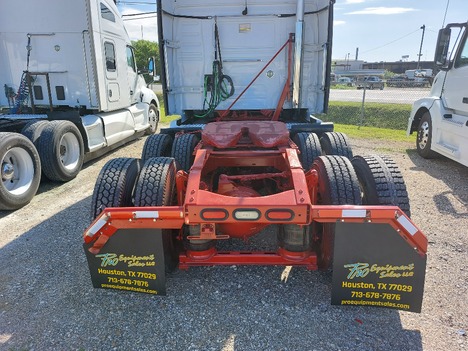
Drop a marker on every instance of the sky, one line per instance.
(383, 30)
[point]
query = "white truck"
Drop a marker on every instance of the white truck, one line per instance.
(72, 91)
(441, 119)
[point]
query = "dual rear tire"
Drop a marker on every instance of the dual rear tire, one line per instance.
(61, 148)
(338, 185)
(369, 180)
(20, 171)
(381, 182)
(125, 182)
(54, 149)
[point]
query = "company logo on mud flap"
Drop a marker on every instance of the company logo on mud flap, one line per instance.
(112, 259)
(108, 259)
(362, 269)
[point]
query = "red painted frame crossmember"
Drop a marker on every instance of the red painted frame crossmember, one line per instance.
(212, 257)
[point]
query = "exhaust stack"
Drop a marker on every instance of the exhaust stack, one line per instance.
(298, 53)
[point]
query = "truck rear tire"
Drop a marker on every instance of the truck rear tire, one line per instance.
(338, 185)
(153, 119)
(114, 185)
(182, 150)
(381, 182)
(334, 143)
(155, 186)
(309, 147)
(61, 149)
(33, 129)
(20, 171)
(424, 137)
(157, 145)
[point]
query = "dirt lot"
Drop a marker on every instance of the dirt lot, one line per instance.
(47, 301)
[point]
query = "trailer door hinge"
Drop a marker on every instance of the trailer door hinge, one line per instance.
(172, 44)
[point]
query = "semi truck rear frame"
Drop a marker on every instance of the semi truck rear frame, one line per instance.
(235, 166)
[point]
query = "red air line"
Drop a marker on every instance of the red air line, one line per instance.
(258, 75)
(287, 85)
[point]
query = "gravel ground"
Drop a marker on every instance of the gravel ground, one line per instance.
(47, 301)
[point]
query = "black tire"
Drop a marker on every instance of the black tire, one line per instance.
(153, 119)
(424, 137)
(155, 186)
(309, 147)
(182, 150)
(338, 185)
(33, 129)
(381, 182)
(114, 185)
(334, 143)
(157, 145)
(20, 171)
(61, 149)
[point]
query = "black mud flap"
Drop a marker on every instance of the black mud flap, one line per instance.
(132, 260)
(374, 266)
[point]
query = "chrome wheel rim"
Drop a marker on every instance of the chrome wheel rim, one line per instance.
(69, 150)
(423, 135)
(17, 171)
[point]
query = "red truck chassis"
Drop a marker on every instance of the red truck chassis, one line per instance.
(217, 206)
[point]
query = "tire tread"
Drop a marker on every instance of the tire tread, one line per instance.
(336, 143)
(383, 182)
(156, 145)
(114, 185)
(182, 150)
(309, 147)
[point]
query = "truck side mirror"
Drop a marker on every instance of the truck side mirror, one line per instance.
(443, 40)
(152, 69)
(151, 66)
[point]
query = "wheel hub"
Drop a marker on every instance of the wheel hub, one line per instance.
(423, 135)
(8, 171)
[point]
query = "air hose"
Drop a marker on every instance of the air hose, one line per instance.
(22, 96)
(218, 85)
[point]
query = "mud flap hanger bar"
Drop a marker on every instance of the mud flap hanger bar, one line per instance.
(113, 219)
(391, 215)
(173, 217)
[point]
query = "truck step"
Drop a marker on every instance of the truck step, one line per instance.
(448, 148)
(19, 117)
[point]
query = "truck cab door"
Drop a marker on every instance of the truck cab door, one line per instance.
(134, 84)
(456, 88)
(454, 126)
(112, 82)
(132, 75)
